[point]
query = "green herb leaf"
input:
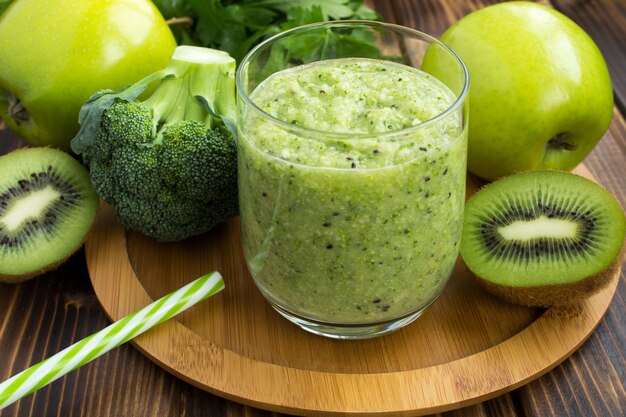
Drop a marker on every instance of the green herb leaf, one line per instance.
(299, 16)
(362, 12)
(334, 9)
(4, 4)
(235, 26)
(172, 8)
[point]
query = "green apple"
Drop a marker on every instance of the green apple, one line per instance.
(55, 54)
(540, 93)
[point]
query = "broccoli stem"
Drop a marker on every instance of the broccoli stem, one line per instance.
(199, 85)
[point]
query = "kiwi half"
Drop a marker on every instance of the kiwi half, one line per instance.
(47, 206)
(543, 238)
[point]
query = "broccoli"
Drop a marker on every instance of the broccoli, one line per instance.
(167, 164)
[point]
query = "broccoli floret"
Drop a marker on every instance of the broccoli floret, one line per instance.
(182, 154)
(168, 164)
(135, 171)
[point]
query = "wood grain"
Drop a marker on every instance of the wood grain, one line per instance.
(125, 383)
(601, 393)
(592, 381)
(247, 325)
(467, 347)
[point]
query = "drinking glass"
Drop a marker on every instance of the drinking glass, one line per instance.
(350, 234)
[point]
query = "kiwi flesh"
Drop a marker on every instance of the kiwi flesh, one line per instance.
(47, 207)
(543, 238)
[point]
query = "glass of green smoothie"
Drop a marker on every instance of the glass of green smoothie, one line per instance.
(352, 163)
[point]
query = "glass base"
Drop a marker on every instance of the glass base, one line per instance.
(351, 331)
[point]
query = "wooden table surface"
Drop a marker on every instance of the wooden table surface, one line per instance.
(41, 316)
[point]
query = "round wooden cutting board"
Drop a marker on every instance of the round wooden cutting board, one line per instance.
(466, 348)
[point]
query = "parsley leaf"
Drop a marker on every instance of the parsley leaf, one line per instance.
(334, 9)
(235, 26)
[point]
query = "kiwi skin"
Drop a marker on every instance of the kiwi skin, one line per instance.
(70, 250)
(559, 295)
(16, 279)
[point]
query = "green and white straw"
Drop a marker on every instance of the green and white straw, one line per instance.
(99, 343)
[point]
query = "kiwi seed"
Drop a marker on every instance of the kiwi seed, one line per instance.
(47, 206)
(543, 238)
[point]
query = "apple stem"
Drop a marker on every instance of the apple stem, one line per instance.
(184, 20)
(17, 112)
(559, 142)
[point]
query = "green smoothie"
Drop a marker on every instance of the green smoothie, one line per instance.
(351, 207)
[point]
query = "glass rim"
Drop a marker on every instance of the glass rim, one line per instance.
(349, 135)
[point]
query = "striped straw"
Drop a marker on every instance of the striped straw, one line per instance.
(99, 343)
